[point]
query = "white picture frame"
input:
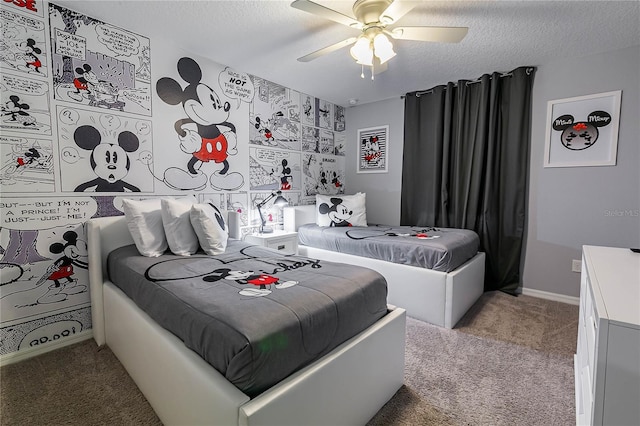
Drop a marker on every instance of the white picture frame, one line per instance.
(373, 150)
(583, 130)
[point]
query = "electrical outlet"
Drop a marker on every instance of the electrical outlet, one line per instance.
(576, 265)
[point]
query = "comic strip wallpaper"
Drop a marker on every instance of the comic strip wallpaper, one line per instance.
(92, 113)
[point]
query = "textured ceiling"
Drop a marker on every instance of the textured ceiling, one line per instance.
(264, 38)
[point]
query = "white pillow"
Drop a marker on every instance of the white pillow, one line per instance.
(210, 227)
(341, 210)
(144, 220)
(176, 221)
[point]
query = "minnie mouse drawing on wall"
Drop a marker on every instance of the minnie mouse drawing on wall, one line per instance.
(373, 149)
(583, 131)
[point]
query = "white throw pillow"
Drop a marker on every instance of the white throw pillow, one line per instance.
(210, 227)
(144, 220)
(341, 210)
(176, 220)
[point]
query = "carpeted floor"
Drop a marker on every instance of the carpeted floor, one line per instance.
(75, 385)
(509, 361)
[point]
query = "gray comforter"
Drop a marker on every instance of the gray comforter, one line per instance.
(440, 249)
(252, 313)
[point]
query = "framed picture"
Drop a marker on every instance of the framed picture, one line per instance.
(373, 144)
(583, 131)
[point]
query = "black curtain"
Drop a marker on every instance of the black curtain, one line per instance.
(466, 162)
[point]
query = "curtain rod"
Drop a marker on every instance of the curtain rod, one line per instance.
(478, 80)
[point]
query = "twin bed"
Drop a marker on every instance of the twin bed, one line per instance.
(435, 274)
(338, 361)
(254, 337)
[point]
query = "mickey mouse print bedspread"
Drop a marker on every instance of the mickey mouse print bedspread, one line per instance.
(439, 249)
(254, 314)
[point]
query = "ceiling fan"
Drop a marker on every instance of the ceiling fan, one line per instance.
(372, 18)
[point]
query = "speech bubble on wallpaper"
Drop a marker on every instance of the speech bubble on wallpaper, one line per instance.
(270, 155)
(18, 19)
(120, 42)
(70, 155)
(28, 214)
(143, 128)
(145, 157)
(14, 140)
(236, 85)
(23, 85)
(69, 116)
(110, 121)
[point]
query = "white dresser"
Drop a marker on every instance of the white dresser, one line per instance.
(607, 360)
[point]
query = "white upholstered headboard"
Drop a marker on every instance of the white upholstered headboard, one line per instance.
(298, 215)
(106, 234)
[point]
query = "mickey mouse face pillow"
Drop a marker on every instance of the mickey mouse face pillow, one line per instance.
(341, 210)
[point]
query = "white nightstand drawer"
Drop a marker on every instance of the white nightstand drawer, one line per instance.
(286, 245)
(283, 241)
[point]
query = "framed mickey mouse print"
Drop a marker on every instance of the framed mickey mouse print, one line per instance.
(372, 150)
(583, 131)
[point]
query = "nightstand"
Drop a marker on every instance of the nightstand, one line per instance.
(284, 241)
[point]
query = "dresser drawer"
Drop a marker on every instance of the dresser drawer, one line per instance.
(586, 392)
(591, 327)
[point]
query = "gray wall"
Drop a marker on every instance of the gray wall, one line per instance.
(382, 189)
(573, 206)
(568, 207)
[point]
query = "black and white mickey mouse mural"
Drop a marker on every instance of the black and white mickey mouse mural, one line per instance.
(61, 272)
(283, 172)
(205, 133)
(109, 161)
(579, 135)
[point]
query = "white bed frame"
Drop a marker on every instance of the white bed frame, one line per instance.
(346, 387)
(438, 298)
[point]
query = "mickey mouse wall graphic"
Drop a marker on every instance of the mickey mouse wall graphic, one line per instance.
(583, 131)
(205, 133)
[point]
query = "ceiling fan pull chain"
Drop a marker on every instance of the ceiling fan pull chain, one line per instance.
(362, 73)
(372, 65)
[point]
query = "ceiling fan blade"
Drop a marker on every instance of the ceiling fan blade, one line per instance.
(395, 11)
(325, 12)
(437, 34)
(328, 49)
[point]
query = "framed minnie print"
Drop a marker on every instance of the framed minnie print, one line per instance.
(373, 150)
(583, 131)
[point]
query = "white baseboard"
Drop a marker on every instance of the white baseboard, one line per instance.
(572, 300)
(18, 356)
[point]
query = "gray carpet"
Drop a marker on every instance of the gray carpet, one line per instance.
(508, 362)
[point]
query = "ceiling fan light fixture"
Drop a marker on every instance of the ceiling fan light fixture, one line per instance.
(361, 51)
(366, 59)
(383, 48)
